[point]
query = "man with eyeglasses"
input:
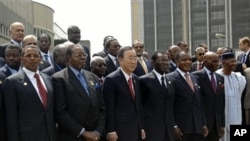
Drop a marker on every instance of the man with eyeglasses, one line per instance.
(112, 45)
(198, 65)
(79, 106)
(143, 66)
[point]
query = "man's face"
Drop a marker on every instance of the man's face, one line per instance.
(211, 62)
(99, 67)
(173, 52)
(60, 58)
(30, 41)
(161, 63)
(74, 35)
(139, 48)
(199, 55)
(242, 46)
(17, 32)
(78, 58)
(44, 43)
(229, 64)
(12, 58)
(184, 47)
(31, 59)
(184, 62)
(114, 48)
(129, 61)
(219, 52)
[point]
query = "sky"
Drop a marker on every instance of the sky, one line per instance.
(95, 18)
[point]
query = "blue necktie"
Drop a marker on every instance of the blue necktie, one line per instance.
(83, 82)
(243, 59)
(46, 57)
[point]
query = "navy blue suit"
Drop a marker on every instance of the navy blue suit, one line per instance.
(124, 115)
(139, 71)
(188, 107)
(111, 67)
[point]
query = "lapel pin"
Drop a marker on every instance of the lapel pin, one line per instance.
(169, 82)
(25, 83)
(91, 83)
(1, 81)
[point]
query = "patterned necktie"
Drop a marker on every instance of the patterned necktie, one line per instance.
(189, 81)
(130, 84)
(41, 89)
(83, 82)
(213, 83)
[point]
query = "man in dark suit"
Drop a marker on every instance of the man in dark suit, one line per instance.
(29, 101)
(122, 95)
(44, 42)
(244, 45)
(143, 65)
(113, 47)
(213, 96)
(59, 59)
(104, 52)
(79, 105)
(12, 59)
(74, 36)
(32, 40)
(158, 100)
(198, 64)
(189, 113)
(16, 31)
(172, 51)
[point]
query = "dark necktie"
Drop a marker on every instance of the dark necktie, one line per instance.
(189, 81)
(213, 83)
(200, 66)
(41, 89)
(130, 84)
(83, 82)
(243, 59)
(46, 56)
(162, 82)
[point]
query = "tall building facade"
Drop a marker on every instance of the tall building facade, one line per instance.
(166, 22)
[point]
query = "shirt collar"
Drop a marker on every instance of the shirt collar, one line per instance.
(29, 73)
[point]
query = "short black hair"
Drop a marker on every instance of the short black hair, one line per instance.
(122, 50)
(155, 55)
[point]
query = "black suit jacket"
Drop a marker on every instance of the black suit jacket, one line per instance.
(5, 71)
(188, 107)
(139, 71)
(172, 67)
(74, 108)
(124, 115)
(111, 67)
(247, 61)
(51, 70)
(214, 103)
(43, 65)
(2, 112)
(2, 62)
(158, 104)
(101, 54)
(26, 117)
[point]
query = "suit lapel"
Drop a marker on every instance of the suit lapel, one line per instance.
(31, 91)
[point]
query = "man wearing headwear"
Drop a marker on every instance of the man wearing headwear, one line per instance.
(234, 86)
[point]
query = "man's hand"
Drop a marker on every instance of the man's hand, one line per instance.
(112, 136)
(205, 131)
(178, 134)
(143, 135)
(222, 132)
(91, 136)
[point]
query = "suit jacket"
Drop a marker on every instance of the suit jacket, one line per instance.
(74, 108)
(51, 70)
(2, 112)
(172, 67)
(214, 103)
(111, 67)
(123, 113)
(194, 66)
(139, 71)
(43, 65)
(247, 91)
(2, 62)
(247, 61)
(5, 71)
(158, 104)
(26, 117)
(188, 107)
(101, 54)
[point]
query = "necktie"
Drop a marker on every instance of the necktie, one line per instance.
(130, 84)
(243, 59)
(41, 89)
(83, 82)
(46, 56)
(143, 64)
(189, 81)
(212, 80)
(199, 66)
(162, 82)
(116, 63)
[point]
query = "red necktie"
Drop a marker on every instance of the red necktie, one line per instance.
(213, 83)
(41, 89)
(200, 66)
(189, 81)
(130, 84)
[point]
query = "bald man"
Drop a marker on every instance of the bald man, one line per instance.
(17, 32)
(98, 66)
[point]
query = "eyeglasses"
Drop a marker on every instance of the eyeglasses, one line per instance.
(200, 54)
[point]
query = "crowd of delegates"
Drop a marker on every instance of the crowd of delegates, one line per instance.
(61, 93)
